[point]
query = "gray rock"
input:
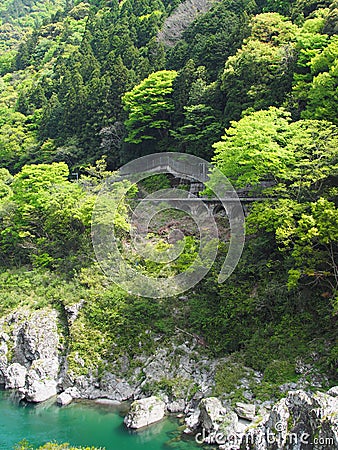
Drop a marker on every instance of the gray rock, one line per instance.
(64, 399)
(109, 386)
(15, 376)
(37, 337)
(309, 419)
(3, 356)
(73, 311)
(301, 367)
(41, 380)
(107, 401)
(73, 392)
(333, 391)
(115, 388)
(176, 406)
(33, 363)
(219, 425)
(145, 412)
(248, 395)
(286, 387)
(212, 413)
(192, 421)
(245, 410)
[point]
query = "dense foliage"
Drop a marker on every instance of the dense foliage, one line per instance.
(252, 87)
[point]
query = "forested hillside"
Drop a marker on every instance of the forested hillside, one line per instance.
(250, 86)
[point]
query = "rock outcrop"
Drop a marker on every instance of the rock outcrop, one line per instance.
(333, 391)
(32, 366)
(301, 421)
(15, 376)
(41, 380)
(109, 386)
(32, 362)
(179, 363)
(145, 412)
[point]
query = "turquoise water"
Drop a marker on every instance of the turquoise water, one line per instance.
(82, 424)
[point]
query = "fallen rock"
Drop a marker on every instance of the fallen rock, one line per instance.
(73, 392)
(145, 412)
(245, 410)
(64, 399)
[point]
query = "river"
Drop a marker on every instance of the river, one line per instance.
(83, 423)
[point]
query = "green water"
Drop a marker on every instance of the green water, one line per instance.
(82, 424)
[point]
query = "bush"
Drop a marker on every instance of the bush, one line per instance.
(280, 372)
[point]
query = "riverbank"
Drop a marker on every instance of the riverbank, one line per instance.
(211, 394)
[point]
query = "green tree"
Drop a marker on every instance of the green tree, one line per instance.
(260, 74)
(322, 97)
(299, 160)
(149, 106)
(311, 43)
(47, 218)
(201, 127)
(213, 36)
(251, 150)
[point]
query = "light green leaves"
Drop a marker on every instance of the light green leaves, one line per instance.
(149, 105)
(299, 160)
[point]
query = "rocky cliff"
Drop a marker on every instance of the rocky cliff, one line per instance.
(300, 421)
(30, 353)
(33, 361)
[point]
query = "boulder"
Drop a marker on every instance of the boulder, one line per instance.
(15, 376)
(64, 399)
(245, 410)
(73, 392)
(145, 412)
(218, 424)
